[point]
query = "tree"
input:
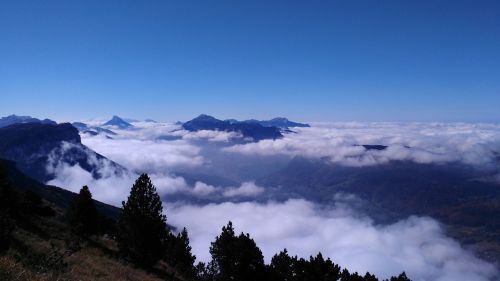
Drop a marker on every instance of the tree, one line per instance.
(400, 277)
(82, 215)
(236, 257)
(6, 227)
(178, 254)
(8, 210)
(321, 269)
(142, 227)
(205, 272)
(282, 266)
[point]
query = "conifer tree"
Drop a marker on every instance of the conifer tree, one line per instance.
(178, 254)
(283, 266)
(82, 215)
(142, 227)
(6, 227)
(8, 210)
(400, 277)
(236, 257)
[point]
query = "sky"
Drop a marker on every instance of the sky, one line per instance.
(306, 60)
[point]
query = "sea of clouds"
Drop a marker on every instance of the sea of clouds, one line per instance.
(417, 245)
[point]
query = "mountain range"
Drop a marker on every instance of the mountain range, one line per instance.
(462, 198)
(251, 129)
(15, 119)
(278, 122)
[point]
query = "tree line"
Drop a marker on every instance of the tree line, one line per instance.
(144, 238)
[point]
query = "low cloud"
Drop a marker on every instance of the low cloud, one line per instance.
(247, 189)
(147, 155)
(473, 144)
(112, 188)
(416, 245)
(210, 135)
(111, 184)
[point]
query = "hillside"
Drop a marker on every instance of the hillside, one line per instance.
(44, 248)
(38, 149)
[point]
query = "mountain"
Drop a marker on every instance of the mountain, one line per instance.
(93, 130)
(256, 132)
(14, 119)
(80, 126)
(39, 148)
(118, 122)
(279, 122)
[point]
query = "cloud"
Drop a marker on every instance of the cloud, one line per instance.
(203, 189)
(247, 189)
(111, 188)
(416, 245)
(473, 144)
(146, 155)
(141, 150)
(210, 135)
(112, 185)
(108, 183)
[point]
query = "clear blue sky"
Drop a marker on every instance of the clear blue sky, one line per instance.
(307, 60)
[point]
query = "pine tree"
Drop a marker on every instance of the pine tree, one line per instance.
(179, 254)
(6, 227)
(82, 215)
(283, 266)
(8, 210)
(400, 277)
(142, 227)
(236, 257)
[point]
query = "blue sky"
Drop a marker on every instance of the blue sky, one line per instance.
(307, 60)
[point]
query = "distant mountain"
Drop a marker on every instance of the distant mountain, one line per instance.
(93, 130)
(37, 148)
(374, 147)
(118, 122)
(248, 130)
(80, 126)
(279, 122)
(14, 119)
(150, 121)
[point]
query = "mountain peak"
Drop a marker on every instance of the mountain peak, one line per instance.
(206, 117)
(118, 122)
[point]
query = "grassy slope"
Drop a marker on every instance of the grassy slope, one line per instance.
(46, 250)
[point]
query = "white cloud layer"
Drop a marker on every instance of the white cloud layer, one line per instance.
(416, 245)
(475, 144)
(113, 186)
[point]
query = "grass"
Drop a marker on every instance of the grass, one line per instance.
(53, 253)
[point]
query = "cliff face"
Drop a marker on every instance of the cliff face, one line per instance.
(33, 146)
